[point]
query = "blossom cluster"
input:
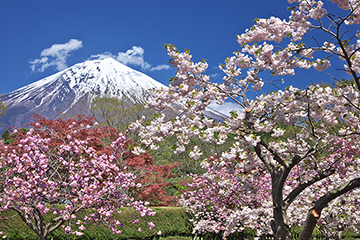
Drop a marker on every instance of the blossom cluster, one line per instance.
(228, 201)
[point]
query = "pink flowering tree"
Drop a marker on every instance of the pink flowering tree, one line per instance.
(66, 180)
(305, 140)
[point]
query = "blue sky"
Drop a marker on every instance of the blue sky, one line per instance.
(32, 32)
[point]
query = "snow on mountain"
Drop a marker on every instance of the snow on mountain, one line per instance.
(103, 77)
(60, 92)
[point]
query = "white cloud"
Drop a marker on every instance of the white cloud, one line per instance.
(227, 107)
(133, 56)
(102, 56)
(160, 67)
(56, 56)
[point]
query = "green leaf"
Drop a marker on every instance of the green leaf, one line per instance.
(259, 51)
(234, 114)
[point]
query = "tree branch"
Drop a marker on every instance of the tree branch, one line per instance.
(315, 213)
(26, 220)
(264, 158)
(277, 158)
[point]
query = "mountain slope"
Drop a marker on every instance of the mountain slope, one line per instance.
(78, 85)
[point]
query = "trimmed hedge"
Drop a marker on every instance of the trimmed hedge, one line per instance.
(171, 221)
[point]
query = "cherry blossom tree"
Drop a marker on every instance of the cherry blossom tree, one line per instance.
(311, 158)
(64, 173)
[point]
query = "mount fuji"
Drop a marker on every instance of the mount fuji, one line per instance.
(61, 92)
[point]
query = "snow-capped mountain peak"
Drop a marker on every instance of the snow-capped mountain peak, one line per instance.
(106, 77)
(101, 74)
(79, 84)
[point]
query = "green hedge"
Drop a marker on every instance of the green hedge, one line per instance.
(173, 221)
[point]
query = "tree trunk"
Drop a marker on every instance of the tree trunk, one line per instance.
(282, 232)
(42, 237)
(339, 235)
(280, 228)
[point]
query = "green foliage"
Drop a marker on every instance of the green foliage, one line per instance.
(171, 221)
(6, 137)
(296, 231)
(118, 112)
